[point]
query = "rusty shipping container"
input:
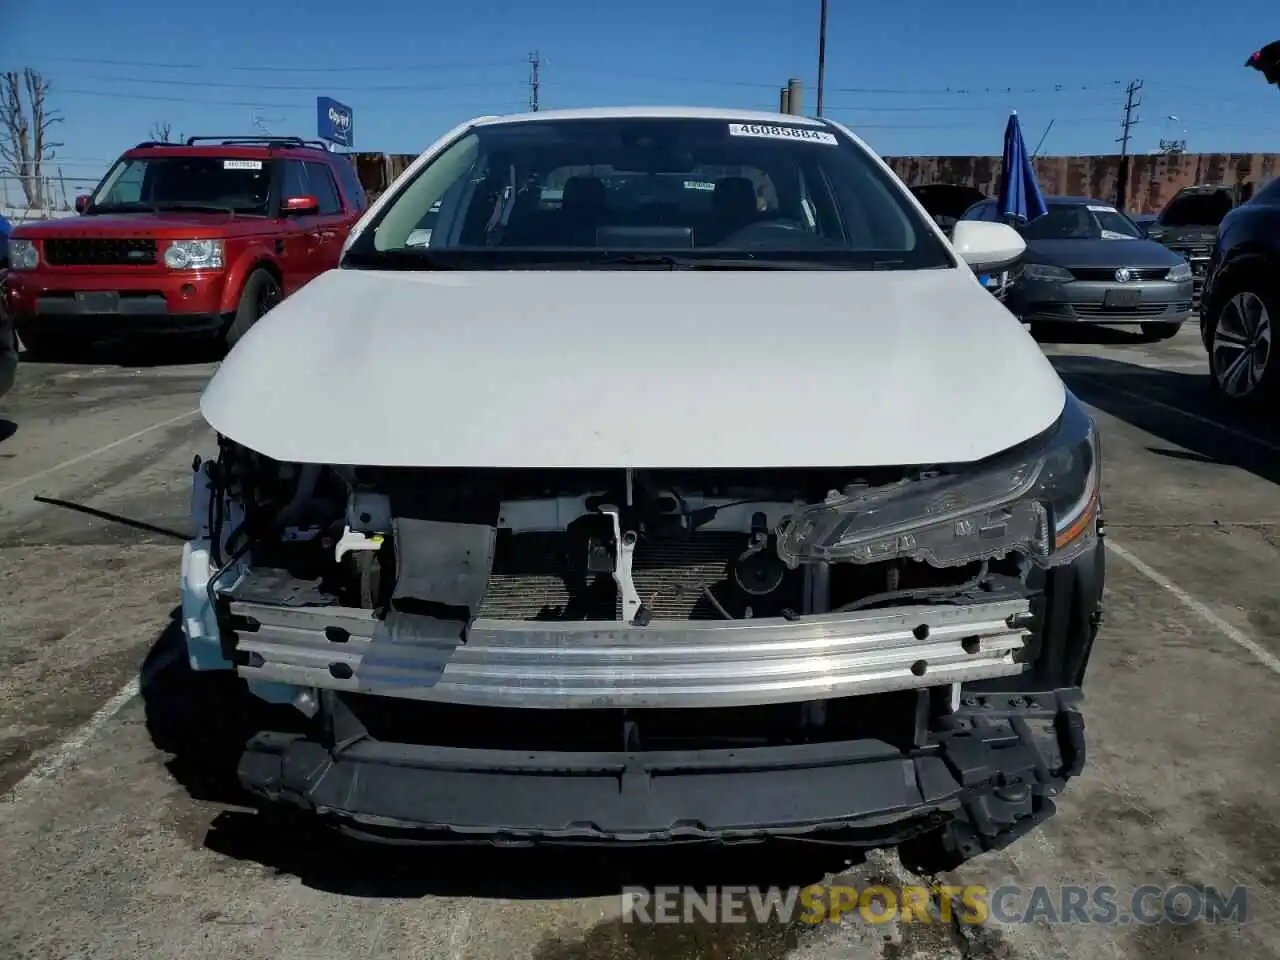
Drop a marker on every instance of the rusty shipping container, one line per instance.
(1152, 179)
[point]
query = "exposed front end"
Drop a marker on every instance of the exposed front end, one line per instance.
(885, 656)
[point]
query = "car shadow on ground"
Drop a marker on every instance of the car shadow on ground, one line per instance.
(202, 720)
(7, 429)
(157, 352)
(1088, 333)
(1179, 407)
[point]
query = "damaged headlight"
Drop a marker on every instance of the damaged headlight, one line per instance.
(1040, 500)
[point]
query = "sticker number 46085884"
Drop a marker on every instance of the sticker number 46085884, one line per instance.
(782, 133)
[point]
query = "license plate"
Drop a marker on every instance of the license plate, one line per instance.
(1122, 298)
(98, 301)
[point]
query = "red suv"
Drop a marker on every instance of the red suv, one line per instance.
(202, 237)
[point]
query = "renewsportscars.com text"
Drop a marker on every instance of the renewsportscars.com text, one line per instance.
(973, 904)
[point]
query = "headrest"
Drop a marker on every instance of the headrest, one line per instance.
(734, 194)
(586, 192)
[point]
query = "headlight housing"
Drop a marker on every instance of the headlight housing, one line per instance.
(1180, 272)
(23, 254)
(193, 255)
(1041, 271)
(1040, 500)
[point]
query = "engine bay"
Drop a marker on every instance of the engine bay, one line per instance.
(553, 545)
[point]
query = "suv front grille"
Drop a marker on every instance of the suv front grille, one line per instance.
(100, 251)
(1109, 273)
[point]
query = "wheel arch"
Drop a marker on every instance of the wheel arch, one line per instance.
(1247, 261)
(253, 259)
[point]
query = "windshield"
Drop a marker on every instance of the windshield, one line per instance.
(159, 183)
(583, 191)
(1079, 221)
(1197, 210)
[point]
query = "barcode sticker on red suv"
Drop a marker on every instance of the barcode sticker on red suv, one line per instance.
(771, 132)
(241, 164)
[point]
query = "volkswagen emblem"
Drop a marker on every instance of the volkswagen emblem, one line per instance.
(1123, 275)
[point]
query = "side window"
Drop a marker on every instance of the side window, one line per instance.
(294, 182)
(1269, 195)
(350, 181)
(324, 189)
(126, 184)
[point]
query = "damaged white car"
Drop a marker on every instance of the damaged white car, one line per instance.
(682, 484)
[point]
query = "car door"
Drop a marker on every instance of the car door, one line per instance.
(331, 219)
(299, 248)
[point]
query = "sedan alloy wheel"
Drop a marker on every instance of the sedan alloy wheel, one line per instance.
(1240, 349)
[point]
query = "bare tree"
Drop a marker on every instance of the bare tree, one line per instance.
(161, 131)
(26, 144)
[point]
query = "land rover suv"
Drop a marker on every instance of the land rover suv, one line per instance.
(195, 238)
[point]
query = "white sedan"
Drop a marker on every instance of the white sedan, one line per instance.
(681, 483)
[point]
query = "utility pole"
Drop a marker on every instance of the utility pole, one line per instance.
(795, 96)
(534, 81)
(822, 53)
(1126, 132)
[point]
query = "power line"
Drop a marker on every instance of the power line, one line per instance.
(988, 91)
(261, 104)
(382, 67)
(164, 82)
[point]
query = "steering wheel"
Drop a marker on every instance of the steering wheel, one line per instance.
(762, 231)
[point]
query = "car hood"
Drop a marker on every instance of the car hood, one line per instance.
(144, 224)
(635, 368)
(1100, 253)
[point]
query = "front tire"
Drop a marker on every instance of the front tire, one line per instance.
(261, 292)
(1243, 364)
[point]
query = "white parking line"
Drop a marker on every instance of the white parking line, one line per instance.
(64, 752)
(15, 484)
(1202, 610)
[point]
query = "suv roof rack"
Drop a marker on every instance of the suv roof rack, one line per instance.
(258, 142)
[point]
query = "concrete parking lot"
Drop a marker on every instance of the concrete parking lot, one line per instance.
(122, 834)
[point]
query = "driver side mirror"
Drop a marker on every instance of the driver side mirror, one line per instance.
(987, 247)
(303, 206)
(82, 203)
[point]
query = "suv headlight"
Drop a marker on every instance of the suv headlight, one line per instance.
(1040, 500)
(1040, 271)
(1181, 272)
(193, 255)
(23, 254)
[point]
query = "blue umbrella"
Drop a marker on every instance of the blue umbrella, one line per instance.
(1020, 196)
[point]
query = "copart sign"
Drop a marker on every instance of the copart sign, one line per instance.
(335, 122)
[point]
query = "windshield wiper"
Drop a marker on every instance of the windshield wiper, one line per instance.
(194, 205)
(125, 205)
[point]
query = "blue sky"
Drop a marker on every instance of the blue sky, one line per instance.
(920, 76)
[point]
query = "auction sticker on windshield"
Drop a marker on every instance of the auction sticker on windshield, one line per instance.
(241, 164)
(781, 133)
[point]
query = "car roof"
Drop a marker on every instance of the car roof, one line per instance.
(246, 151)
(680, 113)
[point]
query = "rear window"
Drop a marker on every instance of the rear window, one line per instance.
(1197, 210)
